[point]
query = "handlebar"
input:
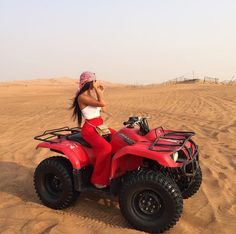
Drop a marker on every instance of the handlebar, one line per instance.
(140, 121)
(127, 122)
(134, 120)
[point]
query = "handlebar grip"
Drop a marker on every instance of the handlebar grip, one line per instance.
(126, 122)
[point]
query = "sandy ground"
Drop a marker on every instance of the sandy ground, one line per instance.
(28, 108)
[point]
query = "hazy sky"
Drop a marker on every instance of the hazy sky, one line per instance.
(130, 41)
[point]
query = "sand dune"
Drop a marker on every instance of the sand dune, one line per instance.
(64, 81)
(29, 107)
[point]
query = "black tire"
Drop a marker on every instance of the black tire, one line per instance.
(53, 182)
(150, 201)
(188, 189)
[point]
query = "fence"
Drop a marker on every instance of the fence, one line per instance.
(206, 79)
(181, 79)
(210, 80)
(232, 81)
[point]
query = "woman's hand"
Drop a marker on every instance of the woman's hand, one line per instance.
(96, 83)
(98, 86)
(101, 88)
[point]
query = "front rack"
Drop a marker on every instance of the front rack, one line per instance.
(182, 138)
(57, 132)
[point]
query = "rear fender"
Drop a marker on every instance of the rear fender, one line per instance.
(72, 150)
(131, 157)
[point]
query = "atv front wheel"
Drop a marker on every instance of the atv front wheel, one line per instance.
(151, 201)
(189, 186)
(53, 183)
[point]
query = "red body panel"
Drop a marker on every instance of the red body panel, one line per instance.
(79, 156)
(131, 157)
(125, 157)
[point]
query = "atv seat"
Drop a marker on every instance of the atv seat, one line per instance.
(77, 137)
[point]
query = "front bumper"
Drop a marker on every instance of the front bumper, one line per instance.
(191, 166)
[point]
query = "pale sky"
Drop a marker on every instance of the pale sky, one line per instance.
(132, 41)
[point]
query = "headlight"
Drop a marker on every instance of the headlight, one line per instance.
(175, 156)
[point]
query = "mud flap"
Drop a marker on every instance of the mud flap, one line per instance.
(82, 177)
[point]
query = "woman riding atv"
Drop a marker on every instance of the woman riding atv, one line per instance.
(86, 106)
(151, 170)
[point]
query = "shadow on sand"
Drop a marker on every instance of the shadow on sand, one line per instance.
(17, 180)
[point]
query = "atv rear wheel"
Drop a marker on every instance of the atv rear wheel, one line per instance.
(189, 186)
(53, 183)
(150, 201)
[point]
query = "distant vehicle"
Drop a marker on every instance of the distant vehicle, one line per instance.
(151, 172)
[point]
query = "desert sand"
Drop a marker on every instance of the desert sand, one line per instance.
(29, 107)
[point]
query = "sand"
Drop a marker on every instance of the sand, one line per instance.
(29, 107)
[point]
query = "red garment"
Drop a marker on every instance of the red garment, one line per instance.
(102, 150)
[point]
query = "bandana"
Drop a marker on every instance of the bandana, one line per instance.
(85, 77)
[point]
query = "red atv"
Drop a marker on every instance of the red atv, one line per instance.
(151, 172)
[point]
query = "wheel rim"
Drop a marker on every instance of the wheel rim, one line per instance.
(53, 185)
(148, 204)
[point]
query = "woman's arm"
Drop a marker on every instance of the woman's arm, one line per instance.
(88, 100)
(99, 90)
(99, 93)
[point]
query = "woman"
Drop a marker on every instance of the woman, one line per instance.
(86, 105)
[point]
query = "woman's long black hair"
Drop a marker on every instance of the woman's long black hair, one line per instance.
(75, 106)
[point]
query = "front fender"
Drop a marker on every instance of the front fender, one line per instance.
(72, 150)
(139, 151)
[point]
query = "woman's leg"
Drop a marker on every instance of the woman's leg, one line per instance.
(102, 150)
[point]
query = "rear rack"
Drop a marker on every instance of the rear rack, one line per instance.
(183, 137)
(57, 132)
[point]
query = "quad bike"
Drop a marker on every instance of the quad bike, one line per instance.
(151, 172)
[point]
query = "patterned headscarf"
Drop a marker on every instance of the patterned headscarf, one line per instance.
(85, 77)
